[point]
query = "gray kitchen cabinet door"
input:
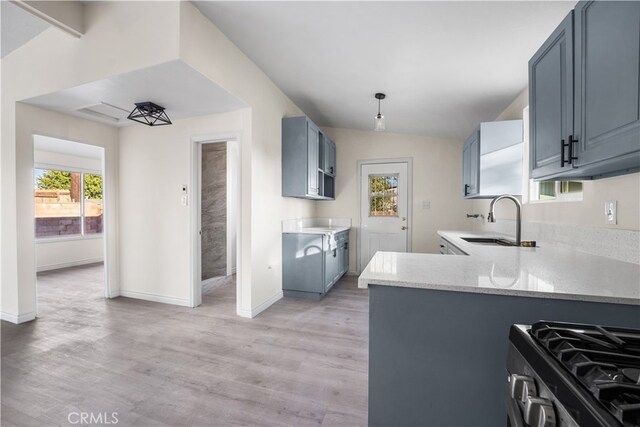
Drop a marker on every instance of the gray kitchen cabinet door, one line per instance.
(607, 84)
(330, 158)
(302, 263)
(471, 164)
(313, 151)
(551, 102)
(331, 267)
(345, 255)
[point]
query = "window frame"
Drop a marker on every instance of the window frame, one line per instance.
(384, 175)
(82, 172)
(534, 193)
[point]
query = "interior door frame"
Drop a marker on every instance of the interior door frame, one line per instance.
(359, 165)
(106, 213)
(194, 193)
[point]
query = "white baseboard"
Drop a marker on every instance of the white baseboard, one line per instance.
(68, 264)
(17, 319)
(261, 307)
(151, 297)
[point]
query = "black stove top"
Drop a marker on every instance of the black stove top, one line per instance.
(605, 360)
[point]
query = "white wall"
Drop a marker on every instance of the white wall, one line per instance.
(588, 212)
(55, 253)
(437, 178)
(119, 37)
(32, 120)
(206, 49)
(154, 226)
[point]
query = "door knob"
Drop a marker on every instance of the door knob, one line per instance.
(403, 227)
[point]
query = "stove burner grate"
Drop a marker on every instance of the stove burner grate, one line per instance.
(604, 360)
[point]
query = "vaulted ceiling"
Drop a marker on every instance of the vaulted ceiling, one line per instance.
(445, 66)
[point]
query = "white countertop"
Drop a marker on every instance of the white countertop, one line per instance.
(542, 272)
(316, 225)
(319, 230)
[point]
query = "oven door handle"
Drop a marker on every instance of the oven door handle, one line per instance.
(514, 416)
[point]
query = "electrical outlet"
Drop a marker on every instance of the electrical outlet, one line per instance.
(611, 212)
(426, 204)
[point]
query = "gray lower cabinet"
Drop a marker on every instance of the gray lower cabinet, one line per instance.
(584, 94)
(308, 160)
(438, 358)
(312, 264)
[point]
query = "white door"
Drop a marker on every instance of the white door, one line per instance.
(383, 209)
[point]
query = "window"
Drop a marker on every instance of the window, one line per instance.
(560, 191)
(67, 203)
(383, 195)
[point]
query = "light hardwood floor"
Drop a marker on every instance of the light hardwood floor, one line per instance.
(298, 363)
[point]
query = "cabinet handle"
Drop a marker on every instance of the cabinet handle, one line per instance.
(572, 141)
(562, 159)
(331, 169)
(335, 253)
(466, 189)
(346, 246)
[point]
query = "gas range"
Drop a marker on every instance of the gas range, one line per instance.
(564, 374)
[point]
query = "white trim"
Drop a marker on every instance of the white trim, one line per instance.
(105, 212)
(153, 297)
(69, 238)
(261, 307)
(17, 319)
(73, 169)
(234, 148)
(69, 264)
(359, 164)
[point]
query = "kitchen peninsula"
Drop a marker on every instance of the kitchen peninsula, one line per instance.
(439, 324)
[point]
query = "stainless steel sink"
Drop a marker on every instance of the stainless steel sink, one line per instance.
(490, 241)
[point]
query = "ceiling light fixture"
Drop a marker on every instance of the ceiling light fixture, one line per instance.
(378, 120)
(150, 114)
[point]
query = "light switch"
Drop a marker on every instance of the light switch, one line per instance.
(611, 212)
(185, 200)
(426, 204)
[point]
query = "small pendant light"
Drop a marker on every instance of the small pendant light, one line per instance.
(378, 120)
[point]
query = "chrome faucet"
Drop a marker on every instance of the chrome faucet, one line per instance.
(492, 217)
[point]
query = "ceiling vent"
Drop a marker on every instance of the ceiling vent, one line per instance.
(105, 111)
(150, 114)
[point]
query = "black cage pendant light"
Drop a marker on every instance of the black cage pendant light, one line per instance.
(150, 114)
(378, 120)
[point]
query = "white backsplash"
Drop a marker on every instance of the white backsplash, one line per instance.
(623, 245)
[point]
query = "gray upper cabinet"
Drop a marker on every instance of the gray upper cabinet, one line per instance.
(308, 160)
(470, 164)
(584, 87)
(313, 148)
(551, 102)
(492, 160)
(607, 86)
(329, 156)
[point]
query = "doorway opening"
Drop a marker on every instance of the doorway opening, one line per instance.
(215, 214)
(69, 211)
(385, 188)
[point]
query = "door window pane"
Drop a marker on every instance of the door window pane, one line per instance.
(92, 204)
(57, 203)
(383, 195)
